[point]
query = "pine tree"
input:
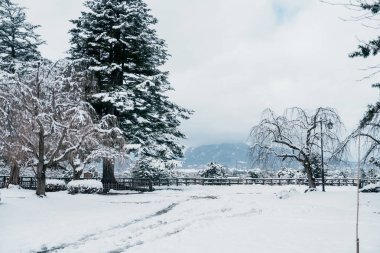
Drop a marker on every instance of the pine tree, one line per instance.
(369, 124)
(122, 49)
(18, 40)
(214, 170)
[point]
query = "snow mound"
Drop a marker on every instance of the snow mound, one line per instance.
(14, 186)
(284, 194)
(84, 186)
(371, 188)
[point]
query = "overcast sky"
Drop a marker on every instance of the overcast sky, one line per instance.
(231, 59)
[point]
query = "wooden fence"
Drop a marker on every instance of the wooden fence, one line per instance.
(261, 181)
(148, 185)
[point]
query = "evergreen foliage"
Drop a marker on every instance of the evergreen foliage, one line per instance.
(369, 124)
(256, 173)
(116, 38)
(150, 168)
(371, 47)
(18, 39)
(214, 170)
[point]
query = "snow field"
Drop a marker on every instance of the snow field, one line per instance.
(265, 219)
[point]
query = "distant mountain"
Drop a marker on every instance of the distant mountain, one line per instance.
(234, 155)
(228, 154)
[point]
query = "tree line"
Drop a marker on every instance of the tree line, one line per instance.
(107, 100)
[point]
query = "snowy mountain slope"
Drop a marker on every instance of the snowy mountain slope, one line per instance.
(228, 154)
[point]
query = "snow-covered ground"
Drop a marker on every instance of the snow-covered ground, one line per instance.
(230, 219)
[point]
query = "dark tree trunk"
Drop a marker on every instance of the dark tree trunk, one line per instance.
(15, 174)
(108, 174)
(41, 167)
(309, 173)
(41, 180)
(77, 174)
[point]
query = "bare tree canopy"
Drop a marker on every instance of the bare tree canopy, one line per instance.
(296, 135)
(44, 119)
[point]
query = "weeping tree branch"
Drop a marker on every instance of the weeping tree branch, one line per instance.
(295, 135)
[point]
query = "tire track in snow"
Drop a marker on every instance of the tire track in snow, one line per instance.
(93, 236)
(123, 242)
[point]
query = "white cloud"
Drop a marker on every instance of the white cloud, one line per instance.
(300, 62)
(231, 59)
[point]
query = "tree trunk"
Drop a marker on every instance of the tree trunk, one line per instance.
(309, 173)
(41, 167)
(15, 174)
(77, 174)
(41, 180)
(108, 174)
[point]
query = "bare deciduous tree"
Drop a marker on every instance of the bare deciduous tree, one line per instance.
(54, 123)
(297, 135)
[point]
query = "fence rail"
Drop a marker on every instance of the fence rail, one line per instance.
(148, 185)
(262, 181)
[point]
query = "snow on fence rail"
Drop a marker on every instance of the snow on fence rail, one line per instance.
(262, 181)
(148, 185)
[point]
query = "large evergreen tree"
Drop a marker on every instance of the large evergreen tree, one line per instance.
(369, 124)
(18, 40)
(117, 39)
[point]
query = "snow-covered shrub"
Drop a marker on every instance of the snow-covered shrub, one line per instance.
(237, 172)
(150, 168)
(214, 170)
(284, 194)
(288, 173)
(256, 173)
(371, 188)
(84, 186)
(55, 185)
(338, 174)
(4, 170)
(372, 173)
(14, 186)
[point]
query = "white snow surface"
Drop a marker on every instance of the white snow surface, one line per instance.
(212, 219)
(371, 187)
